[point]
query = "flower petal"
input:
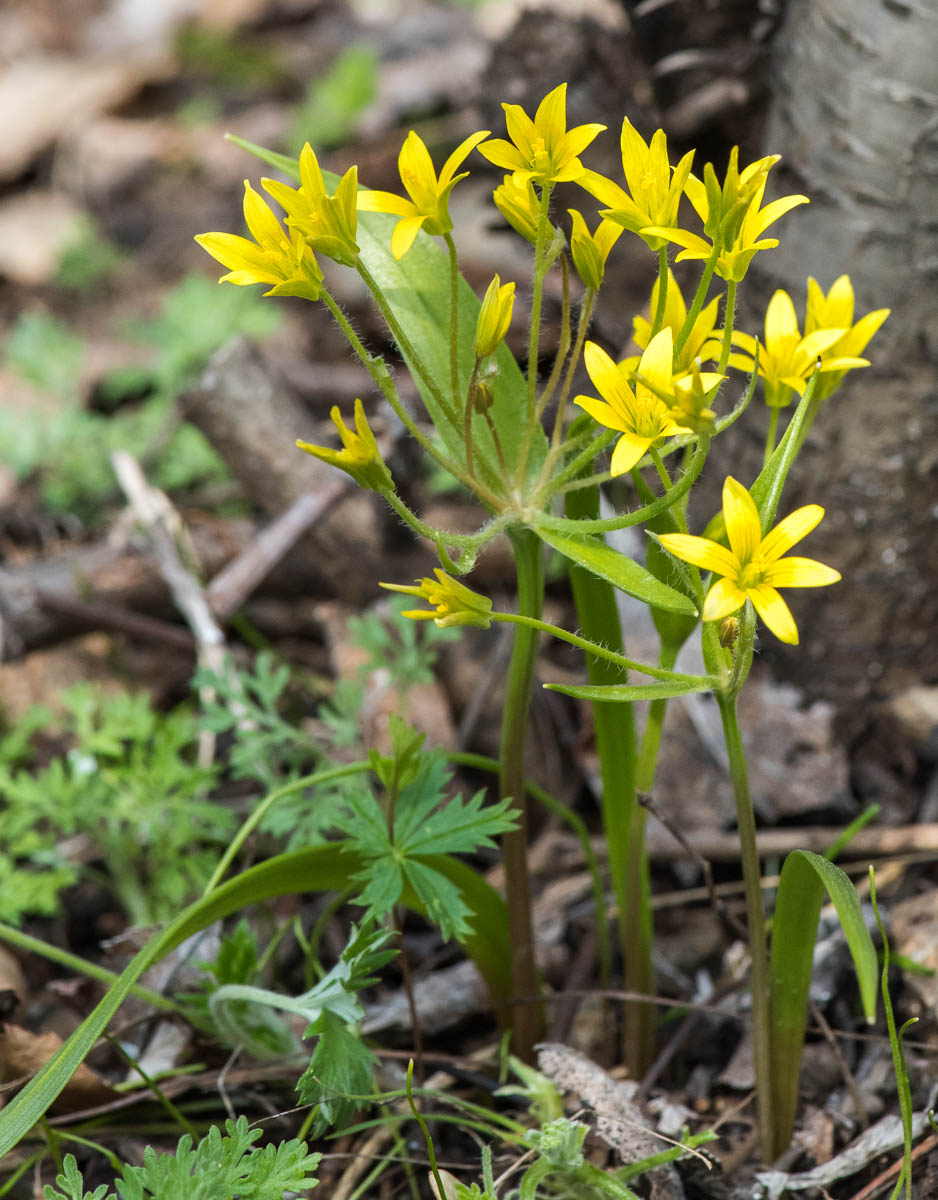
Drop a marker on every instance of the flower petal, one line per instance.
(504, 154)
(602, 412)
(550, 119)
(743, 527)
(655, 364)
(606, 377)
(701, 552)
(462, 151)
(404, 233)
(629, 449)
(385, 202)
(521, 130)
(799, 572)
(789, 531)
(775, 612)
(723, 599)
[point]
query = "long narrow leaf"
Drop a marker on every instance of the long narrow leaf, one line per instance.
(619, 570)
(804, 880)
(322, 868)
(619, 692)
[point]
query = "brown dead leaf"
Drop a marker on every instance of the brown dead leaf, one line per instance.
(42, 97)
(22, 1053)
(35, 228)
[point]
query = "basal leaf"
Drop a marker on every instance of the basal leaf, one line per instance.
(619, 570)
(804, 880)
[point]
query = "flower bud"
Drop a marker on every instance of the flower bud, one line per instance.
(494, 317)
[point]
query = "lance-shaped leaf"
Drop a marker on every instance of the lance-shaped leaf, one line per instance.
(804, 880)
(621, 692)
(619, 570)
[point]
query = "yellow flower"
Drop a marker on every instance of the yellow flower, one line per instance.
(282, 260)
(655, 190)
(590, 250)
(752, 568)
(835, 311)
(328, 223)
(359, 456)
(452, 602)
(786, 359)
(517, 201)
(494, 317)
(542, 150)
(428, 206)
(701, 341)
(733, 217)
(641, 416)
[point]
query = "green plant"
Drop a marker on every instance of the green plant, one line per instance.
(218, 1167)
(88, 260)
(130, 782)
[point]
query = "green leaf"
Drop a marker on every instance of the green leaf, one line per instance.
(340, 1071)
(804, 880)
(462, 826)
(617, 569)
(442, 901)
(619, 692)
(321, 868)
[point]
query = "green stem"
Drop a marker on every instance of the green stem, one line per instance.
(557, 448)
(645, 513)
(534, 334)
(755, 912)
(563, 344)
(295, 785)
(658, 319)
(639, 971)
(613, 724)
(406, 346)
(699, 296)
(527, 1012)
(599, 651)
(465, 541)
(377, 369)
(729, 315)
(770, 436)
(454, 321)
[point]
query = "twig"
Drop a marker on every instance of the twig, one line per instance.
(239, 578)
(98, 614)
(719, 907)
(156, 513)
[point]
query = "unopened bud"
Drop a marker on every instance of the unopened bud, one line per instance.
(729, 631)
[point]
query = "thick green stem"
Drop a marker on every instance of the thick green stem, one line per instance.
(614, 729)
(527, 1013)
(658, 319)
(760, 979)
(639, 972)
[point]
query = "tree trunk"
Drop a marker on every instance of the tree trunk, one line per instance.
(855, 115)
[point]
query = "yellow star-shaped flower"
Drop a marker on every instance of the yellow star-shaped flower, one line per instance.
(835, 311)
(329, 223)
(732, 214)
(655, 191)
(786, 359)
(753, 566)
(428, 206)
(284, 261)
(542, 150)
(589, 251)
(641, 415)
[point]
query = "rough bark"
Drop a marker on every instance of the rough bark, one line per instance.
(855, 115)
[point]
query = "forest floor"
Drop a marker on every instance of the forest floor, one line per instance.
(122, 781)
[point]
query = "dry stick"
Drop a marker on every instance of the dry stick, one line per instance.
(876, 840)
(645, 800)
(99, 614)
(883, 1180)
(156, 513)
(830, 1037)
(239, 578)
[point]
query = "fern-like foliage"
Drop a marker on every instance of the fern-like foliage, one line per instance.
(221, 1167)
